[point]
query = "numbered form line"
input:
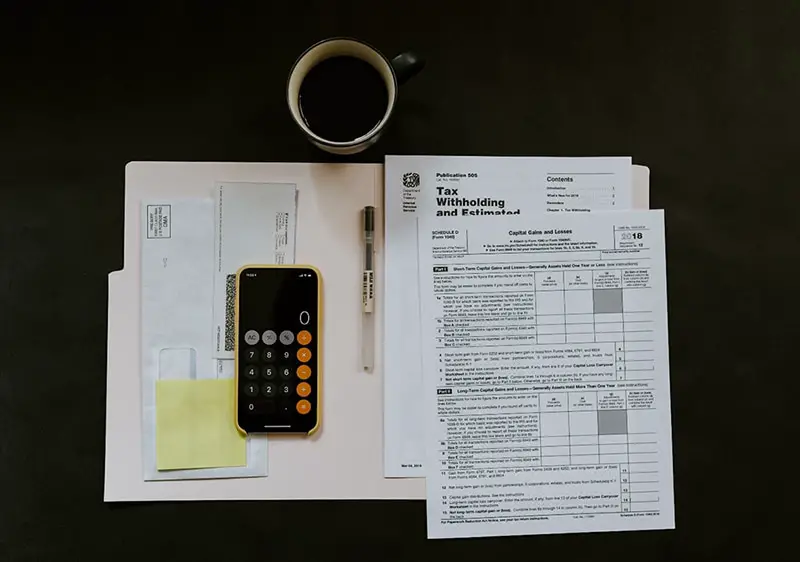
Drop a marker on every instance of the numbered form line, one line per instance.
(512, 518)
(441, 254)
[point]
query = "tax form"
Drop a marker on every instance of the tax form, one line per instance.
(497, 188)
(546, 374)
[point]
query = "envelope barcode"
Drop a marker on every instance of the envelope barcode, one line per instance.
(230, 311)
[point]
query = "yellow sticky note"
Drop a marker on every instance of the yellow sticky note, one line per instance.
(194, 425)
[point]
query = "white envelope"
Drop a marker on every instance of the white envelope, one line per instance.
(177, 241)
(254, 223)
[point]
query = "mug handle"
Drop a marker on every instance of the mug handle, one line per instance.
(406, 66)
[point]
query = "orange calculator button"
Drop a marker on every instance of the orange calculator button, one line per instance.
(303, 354)
(303, 407)
(303, 389)
(303, 372)
(304, 337)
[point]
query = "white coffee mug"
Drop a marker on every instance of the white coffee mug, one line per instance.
(394, 72)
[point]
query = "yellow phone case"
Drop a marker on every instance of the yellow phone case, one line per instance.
(318, 331)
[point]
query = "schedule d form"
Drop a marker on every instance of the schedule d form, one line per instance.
(546, 374)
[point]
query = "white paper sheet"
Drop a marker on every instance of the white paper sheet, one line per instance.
(177, 240)
(546, 374)
(255, 224)
(424, 186)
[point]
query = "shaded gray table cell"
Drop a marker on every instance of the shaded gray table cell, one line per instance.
(612, 422)
(607, 300)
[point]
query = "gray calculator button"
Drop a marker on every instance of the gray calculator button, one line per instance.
(269, 337)
(287, 337)
(251, 337)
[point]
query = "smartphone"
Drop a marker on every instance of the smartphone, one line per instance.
(278, 318)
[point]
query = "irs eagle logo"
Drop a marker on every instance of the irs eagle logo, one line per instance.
(411, 179)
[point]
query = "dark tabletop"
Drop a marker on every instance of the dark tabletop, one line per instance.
(705, 93)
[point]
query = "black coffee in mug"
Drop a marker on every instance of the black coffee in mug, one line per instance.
(341, 92)
(343, 98)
